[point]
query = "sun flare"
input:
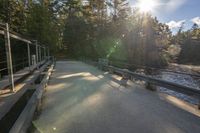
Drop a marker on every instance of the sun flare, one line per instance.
(146, 5)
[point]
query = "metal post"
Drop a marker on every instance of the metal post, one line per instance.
(9, 57)
(29, 56)
(48, 54)
(40, 53)
(36, 49)
(44, 52)
(41, 49)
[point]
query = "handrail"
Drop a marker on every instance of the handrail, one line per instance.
(40, 51)
(3, 69)
(190, 91)
(153, 68)
(2, 62)
(16, 37)
(163, 83)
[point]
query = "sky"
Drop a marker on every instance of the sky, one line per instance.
(173, 12)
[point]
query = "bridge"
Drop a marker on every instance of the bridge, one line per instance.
(39, 94)
(82, 99)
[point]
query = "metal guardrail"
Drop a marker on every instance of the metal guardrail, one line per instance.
(152, 80)
(158, 82)
(153, 68)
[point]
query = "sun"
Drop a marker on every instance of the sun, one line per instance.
(146, 5)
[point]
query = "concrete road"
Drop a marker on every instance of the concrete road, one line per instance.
(82, 99)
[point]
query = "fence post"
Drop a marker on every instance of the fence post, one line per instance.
(9, 57)
(45, 53)
(40, 57)
(100, 66)
(36, 49)
(42, 54)
(38, 53)
(48, 54)
(29, 56)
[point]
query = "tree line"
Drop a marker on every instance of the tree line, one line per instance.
(101, 29)
(34, 19)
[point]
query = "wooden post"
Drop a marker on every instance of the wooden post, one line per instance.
(124, 79)
(151, 87)
(111, 70)
(9, 57)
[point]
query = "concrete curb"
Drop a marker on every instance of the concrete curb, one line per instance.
(24, 120)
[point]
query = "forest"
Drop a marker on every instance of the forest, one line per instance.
(92, 29)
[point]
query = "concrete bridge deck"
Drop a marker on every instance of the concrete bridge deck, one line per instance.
(82, 99)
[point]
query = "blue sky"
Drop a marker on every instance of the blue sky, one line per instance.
(174, 12)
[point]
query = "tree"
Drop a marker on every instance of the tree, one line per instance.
(93, 29)
(14, 13)
(190, 47)
(34, 19)
(42, 26)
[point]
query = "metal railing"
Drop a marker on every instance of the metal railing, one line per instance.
(150, 80)
(127, 65)
(8, 64)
